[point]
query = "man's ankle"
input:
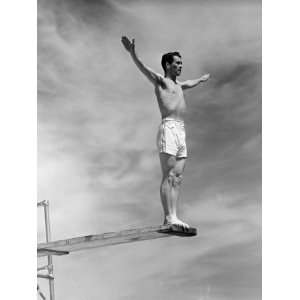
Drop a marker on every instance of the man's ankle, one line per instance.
(170, 218)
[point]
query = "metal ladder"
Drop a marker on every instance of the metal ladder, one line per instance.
(49, 267)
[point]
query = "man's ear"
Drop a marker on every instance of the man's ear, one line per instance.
(168, 65)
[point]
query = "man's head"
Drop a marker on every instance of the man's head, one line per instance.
(172, 63)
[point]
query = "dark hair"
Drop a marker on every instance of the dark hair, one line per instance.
(168, 58)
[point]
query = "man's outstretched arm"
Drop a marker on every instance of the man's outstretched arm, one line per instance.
(194, 82)
(150, 74)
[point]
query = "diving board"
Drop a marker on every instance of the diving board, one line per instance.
(63, 247)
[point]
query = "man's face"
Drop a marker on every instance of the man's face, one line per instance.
(176, 66)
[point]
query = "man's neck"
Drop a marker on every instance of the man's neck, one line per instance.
(172, 77)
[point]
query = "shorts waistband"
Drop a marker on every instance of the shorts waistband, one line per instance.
(172, 120)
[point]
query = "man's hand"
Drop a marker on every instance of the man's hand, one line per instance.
(129, 46)
(205, 77)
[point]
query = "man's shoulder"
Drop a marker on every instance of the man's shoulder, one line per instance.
(160, 80)
(181, 83)
(160, 77)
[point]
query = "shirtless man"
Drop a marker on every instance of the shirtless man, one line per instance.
(171, 135)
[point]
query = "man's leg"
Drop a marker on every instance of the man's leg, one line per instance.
(172, 171)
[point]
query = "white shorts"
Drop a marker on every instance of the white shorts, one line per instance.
(171, 138)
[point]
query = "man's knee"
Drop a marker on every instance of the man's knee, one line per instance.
(178, 179)
(174, 179)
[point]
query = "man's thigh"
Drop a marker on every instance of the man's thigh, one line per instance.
(171, 163)
(180, 165)
(167, 162)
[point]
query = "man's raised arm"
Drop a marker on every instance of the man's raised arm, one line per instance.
(150, 74)
(194, 82)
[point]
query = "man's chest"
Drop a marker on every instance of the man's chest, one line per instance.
(172, 90)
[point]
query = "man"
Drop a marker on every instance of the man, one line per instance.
(171, 136)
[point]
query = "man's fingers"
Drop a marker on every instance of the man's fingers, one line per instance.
(129, 45)
(125, 39)
(206, 77)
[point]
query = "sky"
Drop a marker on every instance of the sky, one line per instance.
(97, 159)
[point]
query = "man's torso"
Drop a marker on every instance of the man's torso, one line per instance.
(170, 99)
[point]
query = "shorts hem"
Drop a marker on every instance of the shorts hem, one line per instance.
(170, 153)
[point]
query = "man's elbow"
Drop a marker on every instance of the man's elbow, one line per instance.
(191, 84)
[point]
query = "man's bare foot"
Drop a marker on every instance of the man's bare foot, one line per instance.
(175, 221)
